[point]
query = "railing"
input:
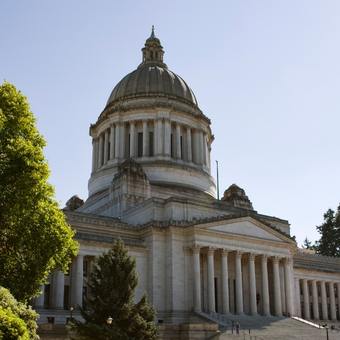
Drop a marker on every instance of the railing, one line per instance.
(251, 337)
(222, 318)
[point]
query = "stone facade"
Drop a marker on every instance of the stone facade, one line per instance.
(151, 185)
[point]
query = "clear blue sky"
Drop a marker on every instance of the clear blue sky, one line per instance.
(265, 72)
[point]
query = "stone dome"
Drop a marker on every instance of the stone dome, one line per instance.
(152, 77)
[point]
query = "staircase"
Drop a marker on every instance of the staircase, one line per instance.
(269, 328)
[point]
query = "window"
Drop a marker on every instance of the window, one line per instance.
(85, 268)
(66, 295)
(181, 147)
(47, 296)
(140, 144)
(151, 144)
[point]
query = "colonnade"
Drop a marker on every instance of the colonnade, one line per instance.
(240, 256)
(317, 299)
(57, 298)
(149, 138)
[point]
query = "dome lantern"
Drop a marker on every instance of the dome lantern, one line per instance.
(153, 50)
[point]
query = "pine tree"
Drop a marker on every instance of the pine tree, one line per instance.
(111, 285)
(307, 244)
(329, 243)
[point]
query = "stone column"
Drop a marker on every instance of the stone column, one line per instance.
(189, 151)
(132, 139)
(288, 287)
(79, 280)
(117, 148)
(112, 141)
(225, 288)
(178, 141)
(252, 285)
(324, 301)
(94, 144)
(204, 148)
(199, 146)
(101, 146)
(265, 286)
(122, 144)
(298, 298)
(106, 146)
(305, 299)
(277, 292)
(145, 138)
(167, 137)
(159, 146)
(39, 300)
(315, 301)
(197, 277)
(238, 283)
(59, 291)
(211, 279)
(332, 301)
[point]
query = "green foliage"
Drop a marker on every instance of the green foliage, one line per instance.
(307, 244)
(16, 320)
(111, 286)
(34, 236)
(329, 243)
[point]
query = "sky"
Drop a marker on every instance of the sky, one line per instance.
(267, 74)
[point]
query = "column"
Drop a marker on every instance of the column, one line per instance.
(106, 146)
(189, 151)
(39, 300)
(315, 301)
(332, 301)
(225, 288)
(204, 148)
(297, 297)
(277, 293)
(305, 299)
(197, 277)
(324, 301)
(199, 143)
(338, 291)
(59, 292)
(211, 279)
(288, 287)
(238, 283)
(252, 284)
(159, 146)
(122, 145)
(100, 158)
(167, 137)
(132, 139)
(145, 138)
(117, 149)
(112, 141)
(178, 141)
(265, 286)
(79, 280)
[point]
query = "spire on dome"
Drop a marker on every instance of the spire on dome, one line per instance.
(153, 50)
(153, 35)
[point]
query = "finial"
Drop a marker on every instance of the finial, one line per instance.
(153, 35)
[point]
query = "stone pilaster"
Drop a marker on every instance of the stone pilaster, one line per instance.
(197, 277)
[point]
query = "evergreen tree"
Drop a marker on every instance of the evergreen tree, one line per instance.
(329, 243)
(307, 244)
(112, 284)
(34, 236)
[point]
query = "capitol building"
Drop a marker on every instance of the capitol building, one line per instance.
(151, 185)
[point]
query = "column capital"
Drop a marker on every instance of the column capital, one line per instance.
(264, 258)
(132, 122)
(224, 252)
(120, 123)
(251, 256)
(145, 120)
(276, 259)
(238, 254)
(196, 248)
(287, 261)
(211, 250)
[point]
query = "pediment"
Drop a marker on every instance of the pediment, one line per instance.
(247, 227)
